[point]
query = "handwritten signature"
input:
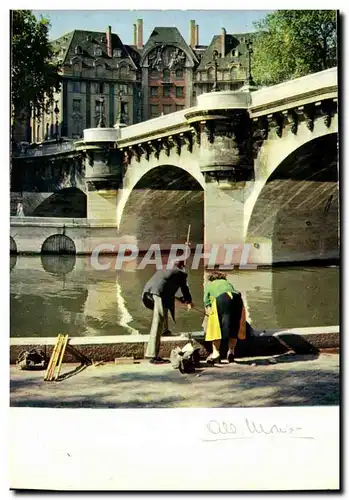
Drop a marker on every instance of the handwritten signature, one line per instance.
(223, 430)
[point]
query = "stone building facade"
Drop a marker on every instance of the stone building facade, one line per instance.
(105, 80)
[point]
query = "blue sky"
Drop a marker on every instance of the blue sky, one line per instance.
(121, 21)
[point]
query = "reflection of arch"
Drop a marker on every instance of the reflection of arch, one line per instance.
(58, 264)
(180, 197)
(13, 246)
(58, 243)
(68, 202)
(296, 209)
(13, 261)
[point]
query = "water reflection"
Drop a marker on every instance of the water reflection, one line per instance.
(58, 264)
(64, 294)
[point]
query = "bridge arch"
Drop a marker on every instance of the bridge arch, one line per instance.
(135, 171)
(274, 151)
(176, 193)
(294, 215)
(68, 202)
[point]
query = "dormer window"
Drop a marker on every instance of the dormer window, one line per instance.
(78, 49)
(116, 53)
(89, 38)
(97, 51)
(242, 40)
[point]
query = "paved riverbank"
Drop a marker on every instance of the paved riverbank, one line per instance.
(281, 380)
(304, 340)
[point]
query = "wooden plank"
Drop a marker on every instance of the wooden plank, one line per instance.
(54, 358)
(50, 363)
(64, 345)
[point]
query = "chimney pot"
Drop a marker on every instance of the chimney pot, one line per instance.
(223, 42)
(140, 33)
(192, 30)
(135, 34)
(197, 35)
(109, 42)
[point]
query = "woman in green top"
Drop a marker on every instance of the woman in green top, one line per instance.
(226, 317)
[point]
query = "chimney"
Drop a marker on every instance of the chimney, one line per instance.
(135, 34)
(139, 33)
(197, 35)
(192, 34)
(223, 42)
(109, 42)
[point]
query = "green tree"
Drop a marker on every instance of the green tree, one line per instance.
(293, 43)
(35, 76)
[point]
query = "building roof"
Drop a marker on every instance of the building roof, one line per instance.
(232, 43)
(65, 47)
(168, 35)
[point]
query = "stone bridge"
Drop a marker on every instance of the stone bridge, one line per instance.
(256, 167)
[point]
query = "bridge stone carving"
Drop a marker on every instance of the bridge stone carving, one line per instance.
(229, 152)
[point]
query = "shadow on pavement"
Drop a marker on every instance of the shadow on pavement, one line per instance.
(76, 370)
(289, 357)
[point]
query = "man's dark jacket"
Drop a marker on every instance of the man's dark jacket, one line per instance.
(166, 284)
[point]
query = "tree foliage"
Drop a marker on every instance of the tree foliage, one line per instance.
(294, 43)
(35, 77)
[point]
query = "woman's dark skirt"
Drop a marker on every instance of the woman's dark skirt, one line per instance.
(229, 314)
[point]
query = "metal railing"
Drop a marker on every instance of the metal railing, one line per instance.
(46, 150)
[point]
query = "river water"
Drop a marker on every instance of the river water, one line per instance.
(66, 294)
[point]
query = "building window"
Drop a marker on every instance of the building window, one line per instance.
(123, 71)
(78, 49)
(76, 87)
(100, 70)
(97, 51)
(210, 74)
(154, 110)
(123, 89)
(98, 106)
(167, 91)
(76, 69)
(116, 53)
(236, 53)
(179, 73)
(100, 88)
(153, 91)
(77, 129)
(154, 73)
(77, 105)
(179, 107)
(167, 109)
(166, 75)
(179, 91)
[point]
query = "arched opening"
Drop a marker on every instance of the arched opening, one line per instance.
(297, 214)
(68, 202)
(58, 243)
(297, 210)
(161, 206)
(13, 246)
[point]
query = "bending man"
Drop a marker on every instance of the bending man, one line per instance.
(159, 294)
